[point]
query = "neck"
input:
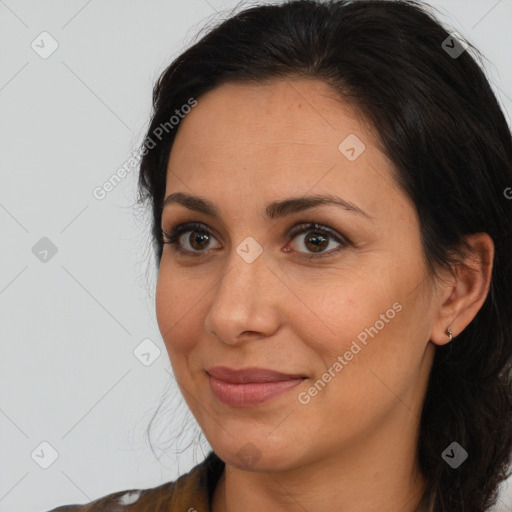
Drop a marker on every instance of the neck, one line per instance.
(376, 473)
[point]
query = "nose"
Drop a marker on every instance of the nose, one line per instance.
(248, 299)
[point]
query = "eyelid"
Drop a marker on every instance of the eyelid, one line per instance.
(298, 228)
(178, 230)
(303, 227)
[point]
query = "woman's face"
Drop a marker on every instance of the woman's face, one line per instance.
(347, 305)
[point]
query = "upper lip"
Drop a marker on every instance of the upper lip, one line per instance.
(250, 374)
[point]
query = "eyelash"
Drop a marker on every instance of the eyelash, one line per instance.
(172, 238)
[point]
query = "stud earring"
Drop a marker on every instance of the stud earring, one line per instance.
(449, 332)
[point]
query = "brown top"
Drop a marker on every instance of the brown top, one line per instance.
(191, 492)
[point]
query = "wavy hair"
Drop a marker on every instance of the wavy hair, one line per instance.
(438, 120)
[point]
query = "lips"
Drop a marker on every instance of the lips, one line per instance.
(247, 375)
(249, 387)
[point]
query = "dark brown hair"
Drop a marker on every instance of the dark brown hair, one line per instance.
(440, 123)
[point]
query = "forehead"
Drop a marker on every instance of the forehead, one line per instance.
(293, 108)
(244, 146)
(285, 124)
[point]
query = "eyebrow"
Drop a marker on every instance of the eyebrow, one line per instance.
(273, 210)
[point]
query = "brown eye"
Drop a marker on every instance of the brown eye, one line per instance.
(194, 239)
(198, 240)
(317, 242)
(317, 239)
(194, 244)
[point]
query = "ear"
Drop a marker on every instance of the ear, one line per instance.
(463, 294)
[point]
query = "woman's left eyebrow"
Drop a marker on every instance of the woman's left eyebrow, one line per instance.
(274, 210)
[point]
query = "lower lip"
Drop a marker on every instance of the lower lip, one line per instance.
(253, 393)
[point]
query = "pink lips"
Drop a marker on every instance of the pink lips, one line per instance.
(249, 386)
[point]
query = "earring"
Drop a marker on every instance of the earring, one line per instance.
(449, 332)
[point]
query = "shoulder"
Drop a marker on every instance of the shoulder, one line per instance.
(133, 500)
(190, 491)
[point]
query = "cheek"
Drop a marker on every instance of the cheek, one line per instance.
(174, 308)
(364, 369)
(365, 319)
(163, 301)
(342, 307)
(376, 357)
(361, 328)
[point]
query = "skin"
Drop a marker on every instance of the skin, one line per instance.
(353, 446)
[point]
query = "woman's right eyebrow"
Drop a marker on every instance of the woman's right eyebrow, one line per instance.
(274, 210)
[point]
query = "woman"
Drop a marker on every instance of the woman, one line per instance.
(330, 188)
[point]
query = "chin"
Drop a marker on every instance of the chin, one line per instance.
(256, 455)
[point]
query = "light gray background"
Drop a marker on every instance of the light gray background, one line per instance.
(69, 326)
